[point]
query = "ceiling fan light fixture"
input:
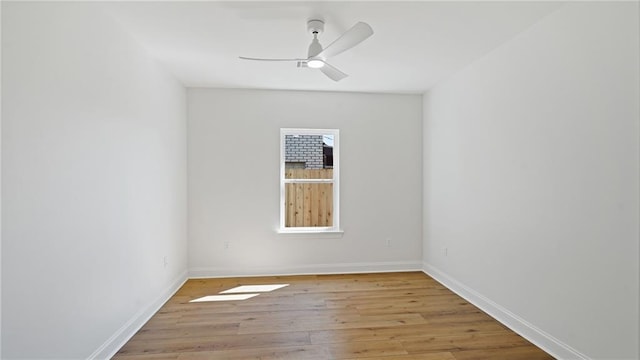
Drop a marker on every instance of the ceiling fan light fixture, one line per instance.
(315, 63)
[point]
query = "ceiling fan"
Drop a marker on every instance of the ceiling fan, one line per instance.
(317, 56)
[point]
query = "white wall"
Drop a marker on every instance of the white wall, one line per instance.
(93, 178)
(0, 183)
(531, 180)
(234, 188)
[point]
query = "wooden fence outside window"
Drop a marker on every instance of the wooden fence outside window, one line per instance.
(308, 204)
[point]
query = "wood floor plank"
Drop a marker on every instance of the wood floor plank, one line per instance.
(431, 356)
(215, 343)
(364, 349)
(182, 331)
(364, 303)
(512, 353)
(386, 316)
(165, 356)
(473, 341)
(309, 352)
(328, 321)
(407, 332)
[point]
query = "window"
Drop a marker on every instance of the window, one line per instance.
(309, 173)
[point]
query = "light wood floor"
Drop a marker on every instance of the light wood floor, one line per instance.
(366, 316)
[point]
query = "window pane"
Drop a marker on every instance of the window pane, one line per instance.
(308, 205)
(306, 152)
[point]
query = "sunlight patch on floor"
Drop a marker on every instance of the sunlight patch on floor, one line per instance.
(232, 297)
(254, 288)
(239, 293)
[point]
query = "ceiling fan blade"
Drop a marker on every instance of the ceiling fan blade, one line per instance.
(354, 36)
(332, 73)
(260, 59)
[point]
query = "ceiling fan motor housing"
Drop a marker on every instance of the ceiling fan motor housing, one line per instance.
(315, 26)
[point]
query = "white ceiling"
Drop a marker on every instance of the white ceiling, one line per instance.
(414, 45)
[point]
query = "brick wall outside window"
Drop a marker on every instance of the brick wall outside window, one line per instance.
(305, 149)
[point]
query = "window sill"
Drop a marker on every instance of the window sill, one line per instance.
(331, 234)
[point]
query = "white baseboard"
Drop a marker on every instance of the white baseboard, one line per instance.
(543, 340)
(126, 332)
(315, 269)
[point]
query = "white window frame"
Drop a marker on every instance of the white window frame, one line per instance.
(335, 229)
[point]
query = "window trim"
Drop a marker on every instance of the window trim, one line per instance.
(331, 230)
